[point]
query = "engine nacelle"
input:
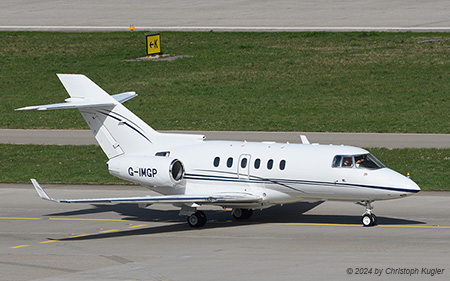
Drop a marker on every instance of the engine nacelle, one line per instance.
(148, 170)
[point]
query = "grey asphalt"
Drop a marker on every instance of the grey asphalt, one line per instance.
(232, 15)
(85, 137)
(293, 242)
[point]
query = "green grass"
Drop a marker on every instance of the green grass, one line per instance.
(349, 82)
(54, 164)
(429, 168)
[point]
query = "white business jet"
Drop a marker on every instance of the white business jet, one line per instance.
(189, 172)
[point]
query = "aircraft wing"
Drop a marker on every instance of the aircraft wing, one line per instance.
(167, 199)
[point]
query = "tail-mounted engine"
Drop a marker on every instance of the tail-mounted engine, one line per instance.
(148, 170)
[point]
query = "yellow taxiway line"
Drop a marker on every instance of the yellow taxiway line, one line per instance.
(20, 246)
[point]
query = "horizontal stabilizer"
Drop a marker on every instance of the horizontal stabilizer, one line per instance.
(82, 103)
(166, 199)
(65, 105)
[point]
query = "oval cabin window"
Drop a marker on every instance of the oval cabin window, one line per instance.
(230, 162)
(270, 164)
(282, 164)
(216, 161)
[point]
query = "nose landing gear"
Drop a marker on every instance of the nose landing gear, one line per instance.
(368, 218)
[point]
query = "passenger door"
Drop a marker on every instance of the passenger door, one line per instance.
(243, 170)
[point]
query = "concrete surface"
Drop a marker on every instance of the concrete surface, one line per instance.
(41, 240)
(232, 15)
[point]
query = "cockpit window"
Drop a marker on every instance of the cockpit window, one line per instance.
(368, 161)
(347, 162)
(337, 161)
(363, 161)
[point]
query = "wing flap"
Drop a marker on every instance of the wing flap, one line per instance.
(165, 199)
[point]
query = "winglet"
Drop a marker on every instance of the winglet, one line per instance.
(41, 191)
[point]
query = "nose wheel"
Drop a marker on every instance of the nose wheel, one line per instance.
(368, 218)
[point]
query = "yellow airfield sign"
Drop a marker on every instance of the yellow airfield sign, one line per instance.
(153, 44)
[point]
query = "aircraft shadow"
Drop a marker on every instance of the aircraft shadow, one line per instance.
(291, 213)
(295, 213)
(167, 228)
(338, 219)
(174, 222)
(129, 211)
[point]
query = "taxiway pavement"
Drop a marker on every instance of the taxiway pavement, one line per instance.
(85, 137)
(41, 240)
(232, 15)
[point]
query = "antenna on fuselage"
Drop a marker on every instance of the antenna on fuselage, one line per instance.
(304, 139)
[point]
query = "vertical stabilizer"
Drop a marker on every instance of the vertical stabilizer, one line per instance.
(116, 129)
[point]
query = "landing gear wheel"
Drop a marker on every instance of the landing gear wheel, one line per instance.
(242, 214)
(197, 219)
(374, 218)
(369, 220)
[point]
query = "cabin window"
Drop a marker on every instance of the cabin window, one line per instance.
(230, 162)
(243, 163)
(257, 163)
(282, 164)
(216, 161)
(270, 164)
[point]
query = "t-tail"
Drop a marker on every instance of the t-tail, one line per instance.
(117, 130)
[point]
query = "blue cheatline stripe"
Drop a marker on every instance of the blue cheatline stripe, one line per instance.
(285, 182)
(124, 122)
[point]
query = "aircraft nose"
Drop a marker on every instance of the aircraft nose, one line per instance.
(411, 185)
(403, 183)
(407, 184)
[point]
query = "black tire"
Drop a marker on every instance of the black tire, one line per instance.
(197, 219)
(374, 218)
(368, 220)
(242, 214)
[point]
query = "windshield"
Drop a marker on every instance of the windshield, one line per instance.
(363, 161)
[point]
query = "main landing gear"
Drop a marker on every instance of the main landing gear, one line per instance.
(368, 218)
(198, 218)
(242, 214)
